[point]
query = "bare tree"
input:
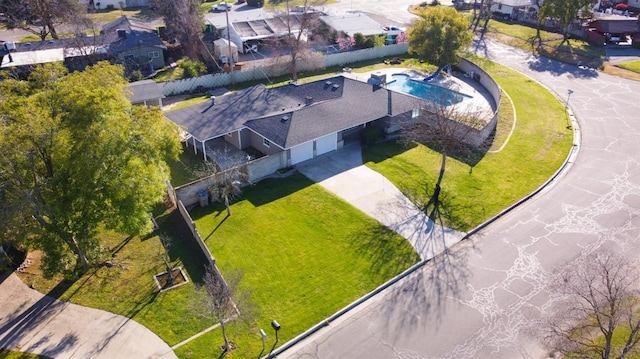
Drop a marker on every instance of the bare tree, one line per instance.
(299, 23)
(596, 315)
(224, 301)
(165, 241)
(225, 176)
(42, 17)
(183, 20)
(447, 127)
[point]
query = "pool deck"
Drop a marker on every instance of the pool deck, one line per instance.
(479, 100)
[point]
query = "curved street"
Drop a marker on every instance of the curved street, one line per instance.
(482, 299)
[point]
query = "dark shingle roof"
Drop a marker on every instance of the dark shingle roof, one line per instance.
(338, 103)
(360, 103)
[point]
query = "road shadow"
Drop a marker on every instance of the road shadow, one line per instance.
(557, 68)
(26, 321)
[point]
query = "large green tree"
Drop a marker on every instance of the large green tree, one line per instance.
(438, 35)
(77, 158)
(564, 11)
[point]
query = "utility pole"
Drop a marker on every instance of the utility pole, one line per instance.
(231, 64)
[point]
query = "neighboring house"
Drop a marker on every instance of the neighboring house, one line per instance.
(615, 29)
(241, 32)
(127, 41)
(304, 121)
(146, 92)
(135, 44)
(115, 4)
(350, 24)
(513, 8)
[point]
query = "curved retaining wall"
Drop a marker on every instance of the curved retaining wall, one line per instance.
(494, 90)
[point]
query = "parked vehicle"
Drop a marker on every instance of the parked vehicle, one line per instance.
(393, 30)
(221, 6)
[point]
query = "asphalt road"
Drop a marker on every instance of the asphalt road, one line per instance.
(482, 300)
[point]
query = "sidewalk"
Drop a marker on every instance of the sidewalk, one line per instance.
(343, 173)
(34, 323)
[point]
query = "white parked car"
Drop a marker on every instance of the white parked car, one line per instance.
(393, 30)
(222, 6)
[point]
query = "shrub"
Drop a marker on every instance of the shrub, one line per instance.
(362, 42)
(136, 75)
(192, 68)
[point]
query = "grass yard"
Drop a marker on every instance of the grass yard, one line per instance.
(472, 194)
(305, 254)
(631, 66)
(128, 288)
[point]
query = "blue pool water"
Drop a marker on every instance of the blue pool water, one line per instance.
(424, 90)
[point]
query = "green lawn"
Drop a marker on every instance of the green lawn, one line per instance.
(8, 354)
(128, 288)
(305, 254)
(472, 194)
(631, 66)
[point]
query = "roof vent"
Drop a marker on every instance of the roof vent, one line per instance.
(50, 42)
(10, 45)
(335, 86)
(284, 119)
(328, 83)
(122, 33)
(308, 100)
(213, 100)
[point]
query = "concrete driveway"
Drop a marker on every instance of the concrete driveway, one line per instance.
(35, 323)
(343, 173)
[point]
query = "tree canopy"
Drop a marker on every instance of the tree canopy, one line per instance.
(439, 34)
(564, 11)
(77, 158)
(42, 17)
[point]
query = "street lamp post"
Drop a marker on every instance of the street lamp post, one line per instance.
(263, 335)
(276, 327)
(569, 92)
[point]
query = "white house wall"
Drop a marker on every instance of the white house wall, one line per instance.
(301, 153)
(326, 144)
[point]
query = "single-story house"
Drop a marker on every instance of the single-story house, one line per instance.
(353, 23)
(114, 4)
(512, 8)
(241, 32)
(304, 120)
(128, 41)
(614, 30)
(135, 44)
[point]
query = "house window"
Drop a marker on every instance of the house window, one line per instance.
(266, 142)
(153, 54)
(499, 6)
(415, 113)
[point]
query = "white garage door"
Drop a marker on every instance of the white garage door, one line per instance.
(326, 144)
(301, 152)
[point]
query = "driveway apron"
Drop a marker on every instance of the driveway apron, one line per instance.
(342, 173)
(35, 323)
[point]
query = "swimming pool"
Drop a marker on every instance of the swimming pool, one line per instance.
(403, 83)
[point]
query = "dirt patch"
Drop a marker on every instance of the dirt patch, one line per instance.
(163, 279)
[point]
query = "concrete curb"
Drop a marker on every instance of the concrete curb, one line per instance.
(567, 164)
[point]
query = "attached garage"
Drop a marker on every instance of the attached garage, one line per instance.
(326, 144)
(301, 153)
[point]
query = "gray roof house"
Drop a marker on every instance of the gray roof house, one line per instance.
(304, 120)
(129, 41)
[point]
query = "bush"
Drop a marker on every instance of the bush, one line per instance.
(370, 135)
(363, 42)
(192, 68)
(135, 75)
